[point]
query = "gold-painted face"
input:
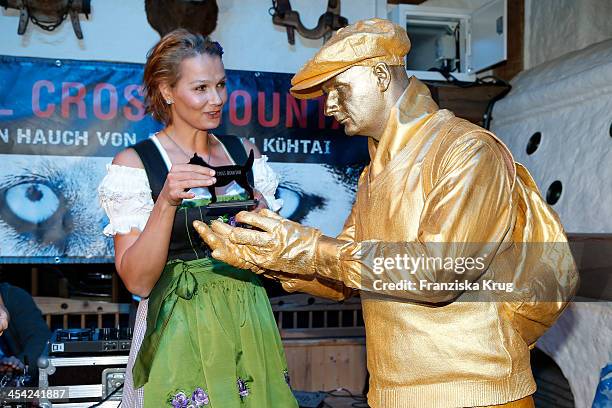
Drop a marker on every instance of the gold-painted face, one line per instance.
(356, 101)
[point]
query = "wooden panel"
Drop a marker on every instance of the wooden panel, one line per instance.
(326, 364)
(516, 32)
(322, 332)
(469, 102)
(64, 308)
(592, 256)
(116, 285)
(301, 301)
(61, 306)
(306, 316)
(34, 285)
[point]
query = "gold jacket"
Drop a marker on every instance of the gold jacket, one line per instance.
(436, 182)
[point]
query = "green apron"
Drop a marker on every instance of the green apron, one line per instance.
(211, 341)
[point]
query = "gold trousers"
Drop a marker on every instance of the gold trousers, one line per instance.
(526, 402)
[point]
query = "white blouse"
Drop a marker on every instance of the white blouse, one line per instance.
(125, 194)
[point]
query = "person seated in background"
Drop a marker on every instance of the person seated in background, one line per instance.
(4, 319)
(24, 331)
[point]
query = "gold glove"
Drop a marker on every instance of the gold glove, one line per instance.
(221, 251)
(314, 285)
(278, 245)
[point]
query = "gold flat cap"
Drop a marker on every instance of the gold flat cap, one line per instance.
(366, 42)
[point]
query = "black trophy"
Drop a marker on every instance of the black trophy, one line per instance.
(224, 176)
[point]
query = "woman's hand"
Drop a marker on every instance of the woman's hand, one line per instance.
(261, 201)
(181, 178)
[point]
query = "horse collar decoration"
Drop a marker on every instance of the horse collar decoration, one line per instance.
(329, 21)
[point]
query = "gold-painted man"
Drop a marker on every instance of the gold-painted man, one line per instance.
(437, 187)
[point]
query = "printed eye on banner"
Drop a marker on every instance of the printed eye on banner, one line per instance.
(35, 208)
(48, 208)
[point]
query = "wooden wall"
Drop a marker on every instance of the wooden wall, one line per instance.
(327, 364)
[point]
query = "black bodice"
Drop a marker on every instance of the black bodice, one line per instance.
(185, 243)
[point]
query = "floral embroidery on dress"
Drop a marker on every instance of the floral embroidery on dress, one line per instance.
(199, 398)
(243, 390)
(180, 400)
(232, 221)
(287, 378)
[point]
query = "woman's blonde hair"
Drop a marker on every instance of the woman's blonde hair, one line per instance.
(163, 66)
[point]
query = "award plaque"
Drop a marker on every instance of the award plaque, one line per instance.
(225, 207)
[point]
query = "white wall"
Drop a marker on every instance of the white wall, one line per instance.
(569, 101)
(565, 94)
(555, 27)
(117, 30)
(254, 43)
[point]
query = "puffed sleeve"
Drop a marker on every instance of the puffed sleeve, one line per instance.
(266, 182)
(125, 196)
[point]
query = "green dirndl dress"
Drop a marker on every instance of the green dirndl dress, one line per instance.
(211, 341)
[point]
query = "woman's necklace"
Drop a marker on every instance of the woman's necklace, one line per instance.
(184, 152)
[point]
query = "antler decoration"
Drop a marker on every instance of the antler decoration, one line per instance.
(329, 21)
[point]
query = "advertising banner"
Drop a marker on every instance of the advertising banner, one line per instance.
(62, 121)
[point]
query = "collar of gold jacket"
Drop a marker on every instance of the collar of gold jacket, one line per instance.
(413, 109)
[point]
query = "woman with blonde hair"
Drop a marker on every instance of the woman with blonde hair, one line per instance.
(211, 339)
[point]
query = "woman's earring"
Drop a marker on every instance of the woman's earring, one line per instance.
(169, 102)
